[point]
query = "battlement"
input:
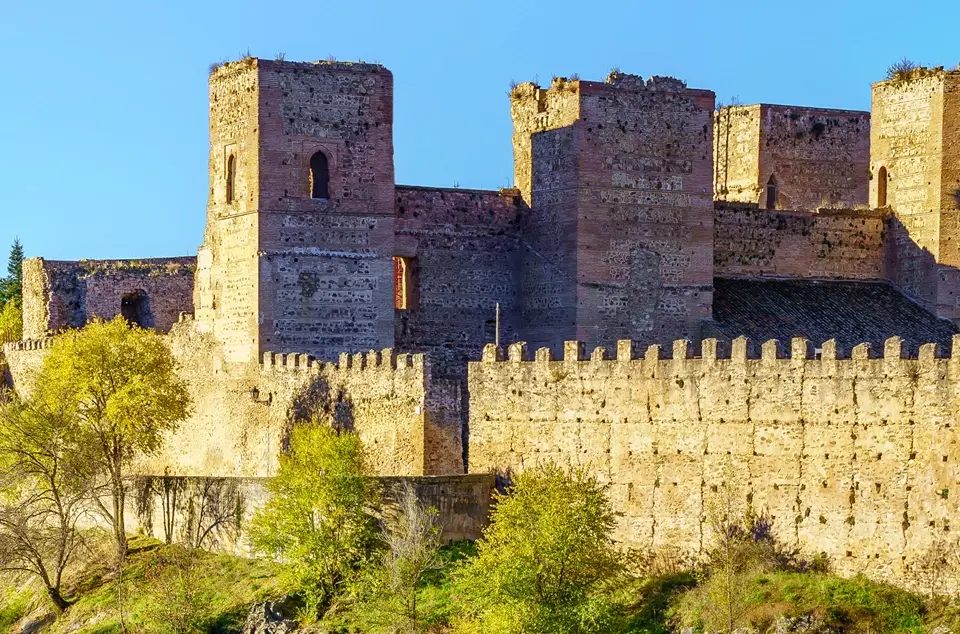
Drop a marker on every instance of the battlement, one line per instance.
(28, 344)
(712, 350)
(374, 360)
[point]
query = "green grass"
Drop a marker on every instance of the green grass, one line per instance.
(227, 586)
(844, 605)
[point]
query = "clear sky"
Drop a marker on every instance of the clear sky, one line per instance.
(103, 105)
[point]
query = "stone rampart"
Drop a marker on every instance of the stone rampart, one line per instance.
(856, 458)
(829, 243)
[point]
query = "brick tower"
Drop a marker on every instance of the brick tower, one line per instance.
(297, 252)
(915, 171)
(618, 243)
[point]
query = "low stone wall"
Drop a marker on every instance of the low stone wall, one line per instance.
(215, 513)
(855, 458)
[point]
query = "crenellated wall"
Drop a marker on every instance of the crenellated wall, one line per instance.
(242, 414)
(856, 458)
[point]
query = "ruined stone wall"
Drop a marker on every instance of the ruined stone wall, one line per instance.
(463, 247)
(60, 294)
(216, 512)
(829, 243)
(819, 157)
(856, 458)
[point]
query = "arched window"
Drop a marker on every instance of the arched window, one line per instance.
(231, 177)
(882, 187)
(319, 176)
(772, 193)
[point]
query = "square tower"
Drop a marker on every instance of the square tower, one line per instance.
(618, 241)
(297, 253)
(915, 168)
(790, 157)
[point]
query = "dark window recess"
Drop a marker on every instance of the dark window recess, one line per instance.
(135, 308)
(882, 187)
(772, 193)
(319, 176)
(231, 177)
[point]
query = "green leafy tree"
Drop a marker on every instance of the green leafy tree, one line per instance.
(389, 594)
(43, 493)
(319, 519)
(11, 287)
(119, 387)
(11, 322)
(547, 561)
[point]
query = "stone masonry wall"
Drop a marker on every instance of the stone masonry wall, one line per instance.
(463, 245)
(242, 413)
(856, 458)
(819, 157)
(217, 511)
(832, 244)
(60, 294)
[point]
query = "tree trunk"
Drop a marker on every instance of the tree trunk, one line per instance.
(57, 598)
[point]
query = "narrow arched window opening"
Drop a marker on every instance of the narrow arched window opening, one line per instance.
(882, 187)
(319, 176)
(772, 193)
(231, 177)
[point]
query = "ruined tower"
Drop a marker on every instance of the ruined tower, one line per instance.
(618, 243)
(297, 252)
(915, 170)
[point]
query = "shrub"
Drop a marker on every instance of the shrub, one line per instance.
(547, 561)
(902, 70)
(178, 599)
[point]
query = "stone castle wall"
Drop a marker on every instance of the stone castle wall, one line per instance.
(856, 458)
(242, 413)
(463, 247)
(818, 157)
(833, 244)
(60, 294)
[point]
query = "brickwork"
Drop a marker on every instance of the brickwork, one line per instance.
(818, 157)
(623, 153)
(58, 294)
(833, 244)
(464, 246)
(282, 270)
(855, 458)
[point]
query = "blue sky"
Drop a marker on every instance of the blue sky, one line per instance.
(103, 113)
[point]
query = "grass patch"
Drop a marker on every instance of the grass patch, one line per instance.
(848, 605)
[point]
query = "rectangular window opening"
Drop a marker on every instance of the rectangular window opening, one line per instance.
(405, 283)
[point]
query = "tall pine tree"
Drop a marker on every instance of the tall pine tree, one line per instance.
(11, 287)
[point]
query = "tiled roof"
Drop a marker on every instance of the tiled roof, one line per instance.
(848, 311)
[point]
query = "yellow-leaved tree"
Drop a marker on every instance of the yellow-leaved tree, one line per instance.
(118, 385)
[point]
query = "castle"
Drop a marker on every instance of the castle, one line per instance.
(769, 295)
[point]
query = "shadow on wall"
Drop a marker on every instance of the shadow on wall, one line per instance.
(915, 271)
(316, 402)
